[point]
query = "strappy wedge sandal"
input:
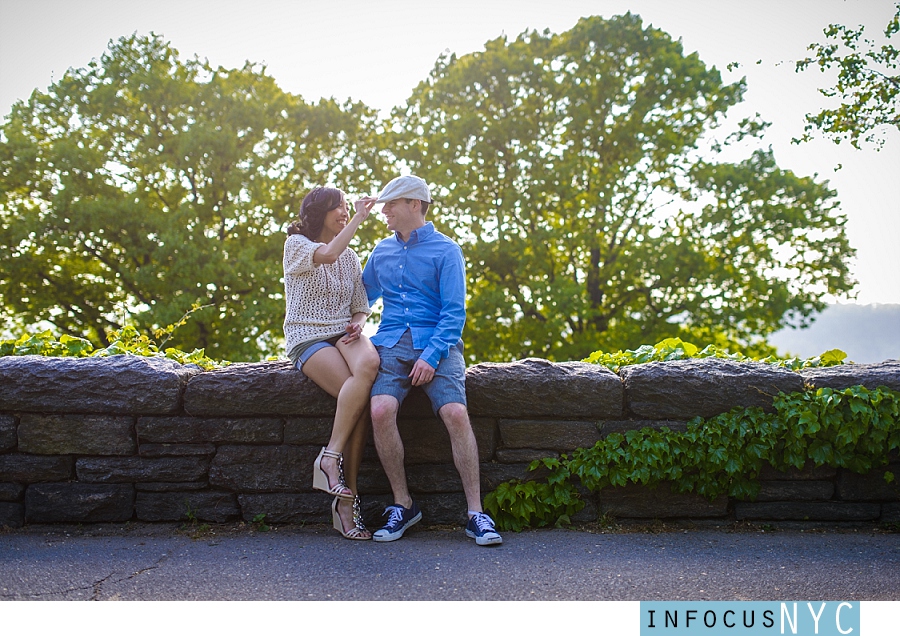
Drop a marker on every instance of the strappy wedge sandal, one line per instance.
(320, 477)
(358, 532)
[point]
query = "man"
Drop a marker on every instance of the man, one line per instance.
(421, 276)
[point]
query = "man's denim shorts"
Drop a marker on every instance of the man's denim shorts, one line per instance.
(447, 386)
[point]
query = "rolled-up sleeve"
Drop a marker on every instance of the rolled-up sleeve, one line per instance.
(370, 280)
(298, 254)
(452, 318)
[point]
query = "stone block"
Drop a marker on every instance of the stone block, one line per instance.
(263, 468)
(417, 406)
(705, 387)
(58, 434)
(30, 469)
(215, 507)
(589, 514)
(7, 433)
(493, 474)
(11, 492)
(177, 450)
(427, 441)
(437, 509)
(443, 509)
(869, 487)
(123, 384)
(795, 491)
(287, 507)
(371, 479)
(890, 513)
(520, 455)
(802, 511)
(141, 469)
(433, 478)
(842, 376)
(78, 503)
(641, 502)
(221, 430)
(609, 427)
(12, 515)
(548, 434)
(808, 472)
(171, 486)
(303, 431)
(256, 388)
(534, 388)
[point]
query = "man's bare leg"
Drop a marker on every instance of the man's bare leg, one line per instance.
(390, 446)
(465, 451)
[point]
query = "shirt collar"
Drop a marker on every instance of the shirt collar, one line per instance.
(417, 235)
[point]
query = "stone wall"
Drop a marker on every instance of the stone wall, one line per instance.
(130, 438)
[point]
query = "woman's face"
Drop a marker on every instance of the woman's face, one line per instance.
(336, 219)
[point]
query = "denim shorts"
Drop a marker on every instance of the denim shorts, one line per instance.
(307, 351)
(447, 386)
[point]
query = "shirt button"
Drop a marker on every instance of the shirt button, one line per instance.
(401, 267)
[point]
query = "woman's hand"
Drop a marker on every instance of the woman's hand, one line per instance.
(364, 206)
(354, 331)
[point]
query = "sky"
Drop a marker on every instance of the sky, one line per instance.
(378, 51)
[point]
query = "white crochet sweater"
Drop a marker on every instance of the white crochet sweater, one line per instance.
(321, 298)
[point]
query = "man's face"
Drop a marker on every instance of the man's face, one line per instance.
(402, 215)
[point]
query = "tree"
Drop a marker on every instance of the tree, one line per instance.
(868, 84)
(571, 168)
(140, 185)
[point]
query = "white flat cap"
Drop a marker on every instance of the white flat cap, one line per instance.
(408, 187)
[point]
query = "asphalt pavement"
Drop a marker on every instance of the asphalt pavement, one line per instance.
(241, 562)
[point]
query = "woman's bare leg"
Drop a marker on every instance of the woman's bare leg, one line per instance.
(346, 372)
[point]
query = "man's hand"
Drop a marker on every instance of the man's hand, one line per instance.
(422, 373)
(354, 330)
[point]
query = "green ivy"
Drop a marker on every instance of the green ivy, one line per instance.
(676, 349)
(124, 341)
(854, 428)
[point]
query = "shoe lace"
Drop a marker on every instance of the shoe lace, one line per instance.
(396, 515)
(484, 522)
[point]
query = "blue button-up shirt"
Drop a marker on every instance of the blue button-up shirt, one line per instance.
(423, 283)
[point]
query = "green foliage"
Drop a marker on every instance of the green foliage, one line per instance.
(142, 184)
(46, 344)
(517, 505)
(127, 340)
(676, 349)
(570, 168)
(259, 522)
(868, 84)
(855, 428)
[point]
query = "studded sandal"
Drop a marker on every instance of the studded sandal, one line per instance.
(358, 532)
(320, 477)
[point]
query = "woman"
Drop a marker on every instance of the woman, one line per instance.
(326, 310)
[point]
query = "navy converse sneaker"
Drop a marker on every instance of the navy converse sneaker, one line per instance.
(399, 520)
(481, 528)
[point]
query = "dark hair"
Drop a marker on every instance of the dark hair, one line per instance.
(315, 206)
